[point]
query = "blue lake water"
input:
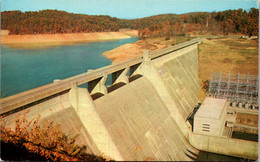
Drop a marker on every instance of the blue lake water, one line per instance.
(24, 69)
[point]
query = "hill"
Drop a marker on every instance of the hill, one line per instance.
(165, 25)
(53, 22)
(215, 23)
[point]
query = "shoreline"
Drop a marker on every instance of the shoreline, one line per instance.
(131, 50)
(43, 40)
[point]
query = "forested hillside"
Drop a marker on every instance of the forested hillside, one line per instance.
(225, 22)
(53, 21)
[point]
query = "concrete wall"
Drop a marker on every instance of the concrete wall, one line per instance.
(59, 110)
(179, 73)
(175, 78)
(226, 146)
(210, 118)
(146, 118)
(140, 124)
(86, 110)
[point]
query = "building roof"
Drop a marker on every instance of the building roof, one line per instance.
(211, 108)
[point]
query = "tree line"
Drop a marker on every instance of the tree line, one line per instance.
(224, 22)
(54, 21)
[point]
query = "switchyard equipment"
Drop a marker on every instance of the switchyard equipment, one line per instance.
(241, 89)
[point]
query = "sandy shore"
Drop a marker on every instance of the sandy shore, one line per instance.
(124, 52)
(131, 50)
(25, 40)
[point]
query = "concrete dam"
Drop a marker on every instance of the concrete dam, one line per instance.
(141, 115)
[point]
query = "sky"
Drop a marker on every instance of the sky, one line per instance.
(128, 9)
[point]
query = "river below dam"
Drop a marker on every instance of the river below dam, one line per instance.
(25, 69)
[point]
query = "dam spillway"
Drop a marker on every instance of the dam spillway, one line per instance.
(144, 119)
(140, 119)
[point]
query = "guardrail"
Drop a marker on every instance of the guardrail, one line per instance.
(93, 78)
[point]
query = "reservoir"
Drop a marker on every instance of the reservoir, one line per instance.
(24, 69)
